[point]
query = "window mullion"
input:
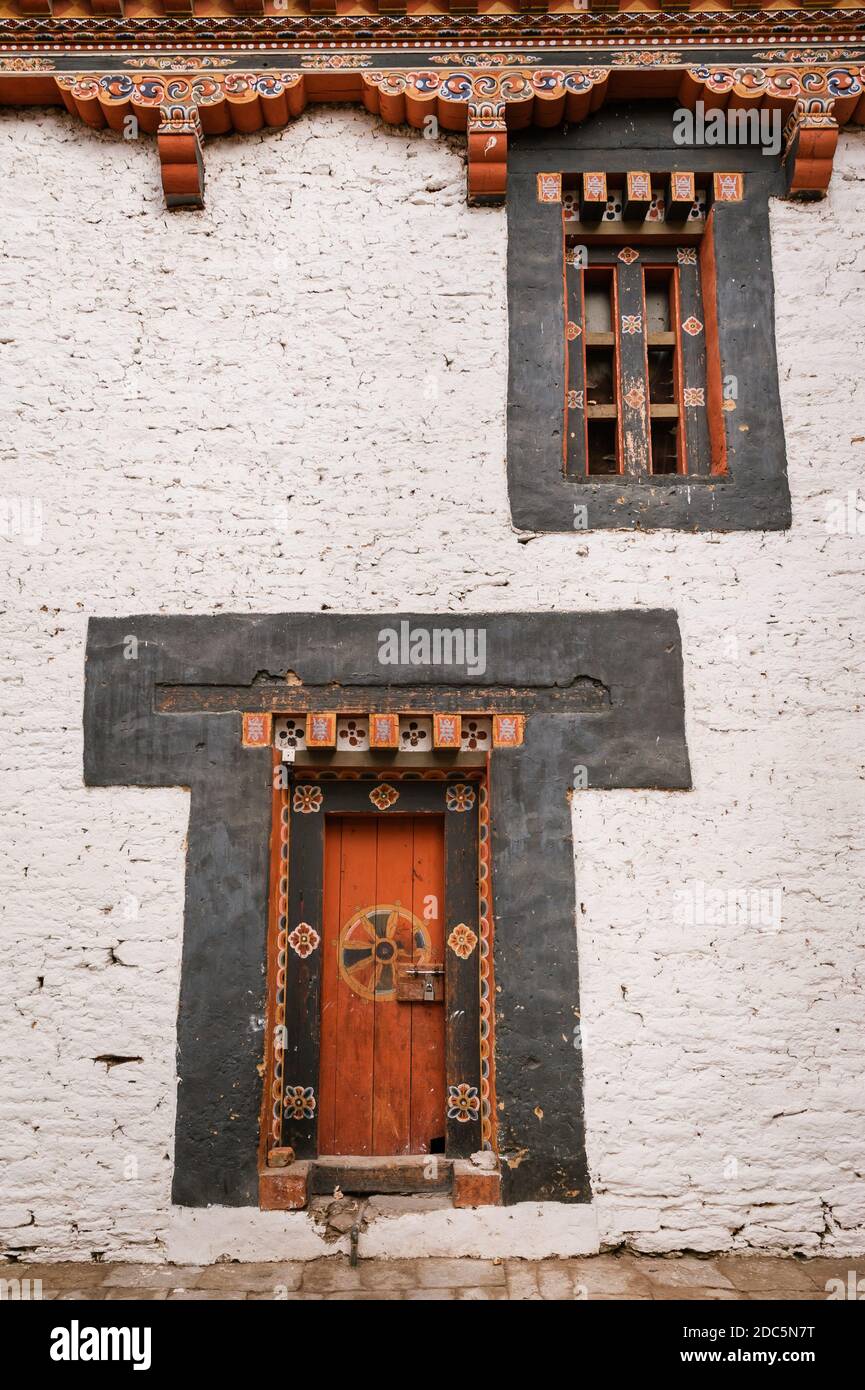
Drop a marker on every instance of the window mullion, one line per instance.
(633, 384)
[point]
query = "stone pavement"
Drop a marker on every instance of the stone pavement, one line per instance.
(615, 1276)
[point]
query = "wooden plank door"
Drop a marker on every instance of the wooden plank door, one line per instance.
(382, 1061)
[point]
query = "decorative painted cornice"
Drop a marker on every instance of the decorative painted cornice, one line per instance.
(185, 78)
(700, 27)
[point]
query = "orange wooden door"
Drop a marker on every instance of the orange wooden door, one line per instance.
(382, 1081)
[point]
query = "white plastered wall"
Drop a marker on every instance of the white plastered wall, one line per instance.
(296, 399)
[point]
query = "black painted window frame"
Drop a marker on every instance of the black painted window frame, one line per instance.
(753, 493)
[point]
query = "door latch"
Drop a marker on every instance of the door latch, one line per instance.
(422, 984)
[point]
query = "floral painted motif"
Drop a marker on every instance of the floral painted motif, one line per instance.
(415, 734)
(299, 1102)
(816, 55)
(460, 798)
(575, 400)
(326, 61)
(384, 796)
(475, 734)
(694, 395)
(463, 1103)
(307, 800)
(636, 397)
(179, 63)
(32, 64)
(632, 323)
(693, 326)
(462, 941)
(290, 733)
(303, 940)
(686, 255)
(352, 733)
(649, 58)
(573, 331)
(629, 255)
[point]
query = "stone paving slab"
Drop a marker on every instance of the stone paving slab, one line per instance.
(155, 1276)
(259, 1278)
(756, 1274)
(434, 1273)
(685, 1272)
(618, 1276)
(77, 1274)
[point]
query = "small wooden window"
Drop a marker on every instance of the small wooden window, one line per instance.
(636, 392)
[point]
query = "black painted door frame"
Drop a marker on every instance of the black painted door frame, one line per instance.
(310, 799)
(604, 693)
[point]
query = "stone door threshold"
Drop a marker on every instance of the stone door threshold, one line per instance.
(289, 1186)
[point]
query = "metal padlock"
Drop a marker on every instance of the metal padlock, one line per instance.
(429, 993)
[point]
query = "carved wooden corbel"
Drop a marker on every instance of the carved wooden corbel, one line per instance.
(488, 153)
(823, 98)
(179, 140)
(810, 139)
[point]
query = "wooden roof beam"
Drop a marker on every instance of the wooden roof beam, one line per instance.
(680, 196)
(593, 195)
(638, 196)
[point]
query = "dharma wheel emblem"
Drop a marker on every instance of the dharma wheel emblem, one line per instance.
(373, 942)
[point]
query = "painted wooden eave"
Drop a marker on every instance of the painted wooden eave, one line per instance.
(143, 77)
